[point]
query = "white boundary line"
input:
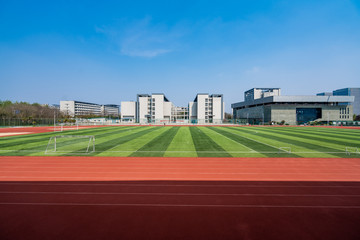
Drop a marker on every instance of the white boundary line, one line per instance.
(179, 205)
(252, 150)
(255, 140)
(172, 185)
(176, 173)
(131, 151)
(187, 194)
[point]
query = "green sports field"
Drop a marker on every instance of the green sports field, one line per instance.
(156, 141)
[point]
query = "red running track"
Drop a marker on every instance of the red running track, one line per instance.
(179, 198)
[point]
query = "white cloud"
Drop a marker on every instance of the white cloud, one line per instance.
(253, 70)
(142, 38)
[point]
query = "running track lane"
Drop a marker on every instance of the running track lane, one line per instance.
(35, 204)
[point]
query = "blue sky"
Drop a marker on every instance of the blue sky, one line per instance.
(109, 51)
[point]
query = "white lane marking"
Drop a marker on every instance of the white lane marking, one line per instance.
(187, 194)
(173, 185)
(179, 205)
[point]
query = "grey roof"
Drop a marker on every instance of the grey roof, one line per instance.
(295, 99)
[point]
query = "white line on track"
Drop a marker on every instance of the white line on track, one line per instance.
(131, 167)
(191, 173)
(179, 205)
(124, 151)
(175, 185)
(188, 194)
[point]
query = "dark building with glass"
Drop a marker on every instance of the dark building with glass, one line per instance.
(267, 105)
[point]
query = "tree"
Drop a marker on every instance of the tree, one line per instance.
(228, 116)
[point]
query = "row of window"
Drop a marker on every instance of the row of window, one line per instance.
(344, 110)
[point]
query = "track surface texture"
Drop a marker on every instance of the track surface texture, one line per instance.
(179, 198)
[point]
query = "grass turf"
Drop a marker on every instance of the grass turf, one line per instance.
(197, 141)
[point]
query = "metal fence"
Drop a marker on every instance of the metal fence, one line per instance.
(13, 122)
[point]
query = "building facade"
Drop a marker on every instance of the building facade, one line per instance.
(110, 110)
(77, 108)
(154, 108)
(207, 108)
(267, 105)
(157, 109)
(128, 111)
(355, 92)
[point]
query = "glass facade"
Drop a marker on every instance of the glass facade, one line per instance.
(305, 115)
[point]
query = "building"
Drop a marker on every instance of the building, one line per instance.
(267, 105)
(207, 108)
(77, 108)
(154, 108)
(347, 92)
(157, 109)
(128, 111)
(110, 110)
(180, 114)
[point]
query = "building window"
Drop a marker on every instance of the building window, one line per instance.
(153, 99)
(206, 99)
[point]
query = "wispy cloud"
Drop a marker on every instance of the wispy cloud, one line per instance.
(253, 70)
(143, 38)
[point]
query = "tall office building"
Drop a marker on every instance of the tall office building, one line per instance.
(207, 108)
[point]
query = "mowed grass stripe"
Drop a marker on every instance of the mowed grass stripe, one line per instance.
(40, 146)
(205, 146)
(157, 146)
(339, 139)
(307, 145)
(105, 140)
(313, 139)
(129, 147)
(182, 144)
(263, 146)
(17, 141)
(228, 143)
(119, 141)
(334, 131)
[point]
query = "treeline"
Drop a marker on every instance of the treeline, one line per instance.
(25, 110)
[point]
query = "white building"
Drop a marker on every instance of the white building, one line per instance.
(128, 111)
(155, 108)
(207, 108)
(77, 108)
(180, 115)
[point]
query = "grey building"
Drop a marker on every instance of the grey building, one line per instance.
(267, 105)
(111, 110)
(355, 92)
(350, 92)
